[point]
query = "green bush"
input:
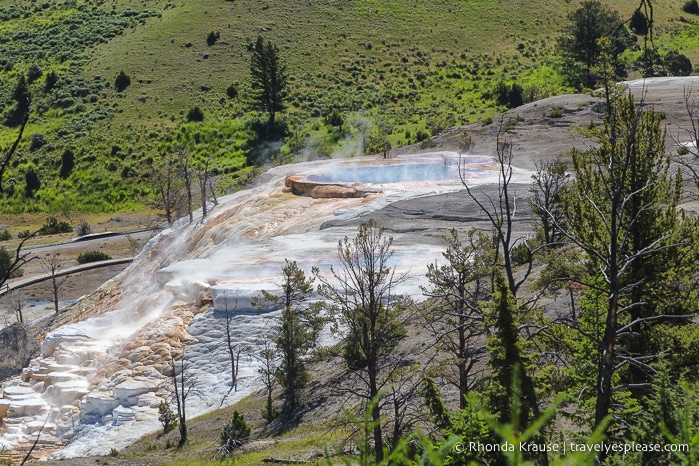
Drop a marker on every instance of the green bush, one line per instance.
(38, 140)
(92, 256)
(5, 235)
(691, 7)
(234, 434)
(232, 91)
(6, 259)
(520, 254)
(556, 112)
(122, 81)
(54, 227)
(212, 37)
(195, 114)
(34, 73)
(167, 418)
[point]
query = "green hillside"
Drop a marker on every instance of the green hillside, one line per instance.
(406, 68)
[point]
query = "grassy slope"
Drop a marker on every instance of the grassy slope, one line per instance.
(415, 65)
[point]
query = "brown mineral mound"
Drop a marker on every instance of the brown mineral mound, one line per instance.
(301, 186)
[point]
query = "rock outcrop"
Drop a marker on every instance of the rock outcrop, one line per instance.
(302, 186)
(17, 347)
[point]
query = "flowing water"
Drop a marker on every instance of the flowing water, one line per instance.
(97, 383)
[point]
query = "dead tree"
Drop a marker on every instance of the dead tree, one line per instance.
(203, 174)
(501, 212)
(234, 349)
(168, 187)
(184, 161)
(52, 267)
(267, 371)
(17, 306)
(10, 266)
(185, 385)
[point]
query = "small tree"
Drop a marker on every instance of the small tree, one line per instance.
(122, 81)
(167, 417)
(52, 267)
(294, 335)
(234, 434)
(184, 386)
(234, 349)
(267, 371)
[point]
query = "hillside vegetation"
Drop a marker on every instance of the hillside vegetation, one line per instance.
(401, 71)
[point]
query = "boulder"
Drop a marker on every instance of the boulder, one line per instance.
(17, 348)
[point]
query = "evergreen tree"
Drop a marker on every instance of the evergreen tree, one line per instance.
(269, 80)
(369, 312)
(506, 358)
(621, 211)
(456, 318)
(295, 333)
(579, 43)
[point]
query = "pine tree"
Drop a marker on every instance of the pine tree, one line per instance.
(269, 80)
(295, 334)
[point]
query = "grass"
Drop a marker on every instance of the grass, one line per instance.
(416, 66)
(204, 432)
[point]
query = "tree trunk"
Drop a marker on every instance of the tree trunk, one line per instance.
(376, 414)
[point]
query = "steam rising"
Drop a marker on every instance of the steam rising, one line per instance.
(113, 367)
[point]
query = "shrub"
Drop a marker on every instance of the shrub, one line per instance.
(639, 23)
(82, 228)
(31, 183)
(34, 73)
(167, 418)
(51, 80)
(195, 114)
(556, 112)
(520, 254)
(67, 163)
(38, 140)
(54, 227)
(122, 81)
(691, 7)
(422, 135)
(677, 64)
(24, 234)
(334, 118)
(6, 259)
(510, 96)
(234, 434)
(682, 150)
(5, 235)
(212, 37)
(92, 256)
(232, 91)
